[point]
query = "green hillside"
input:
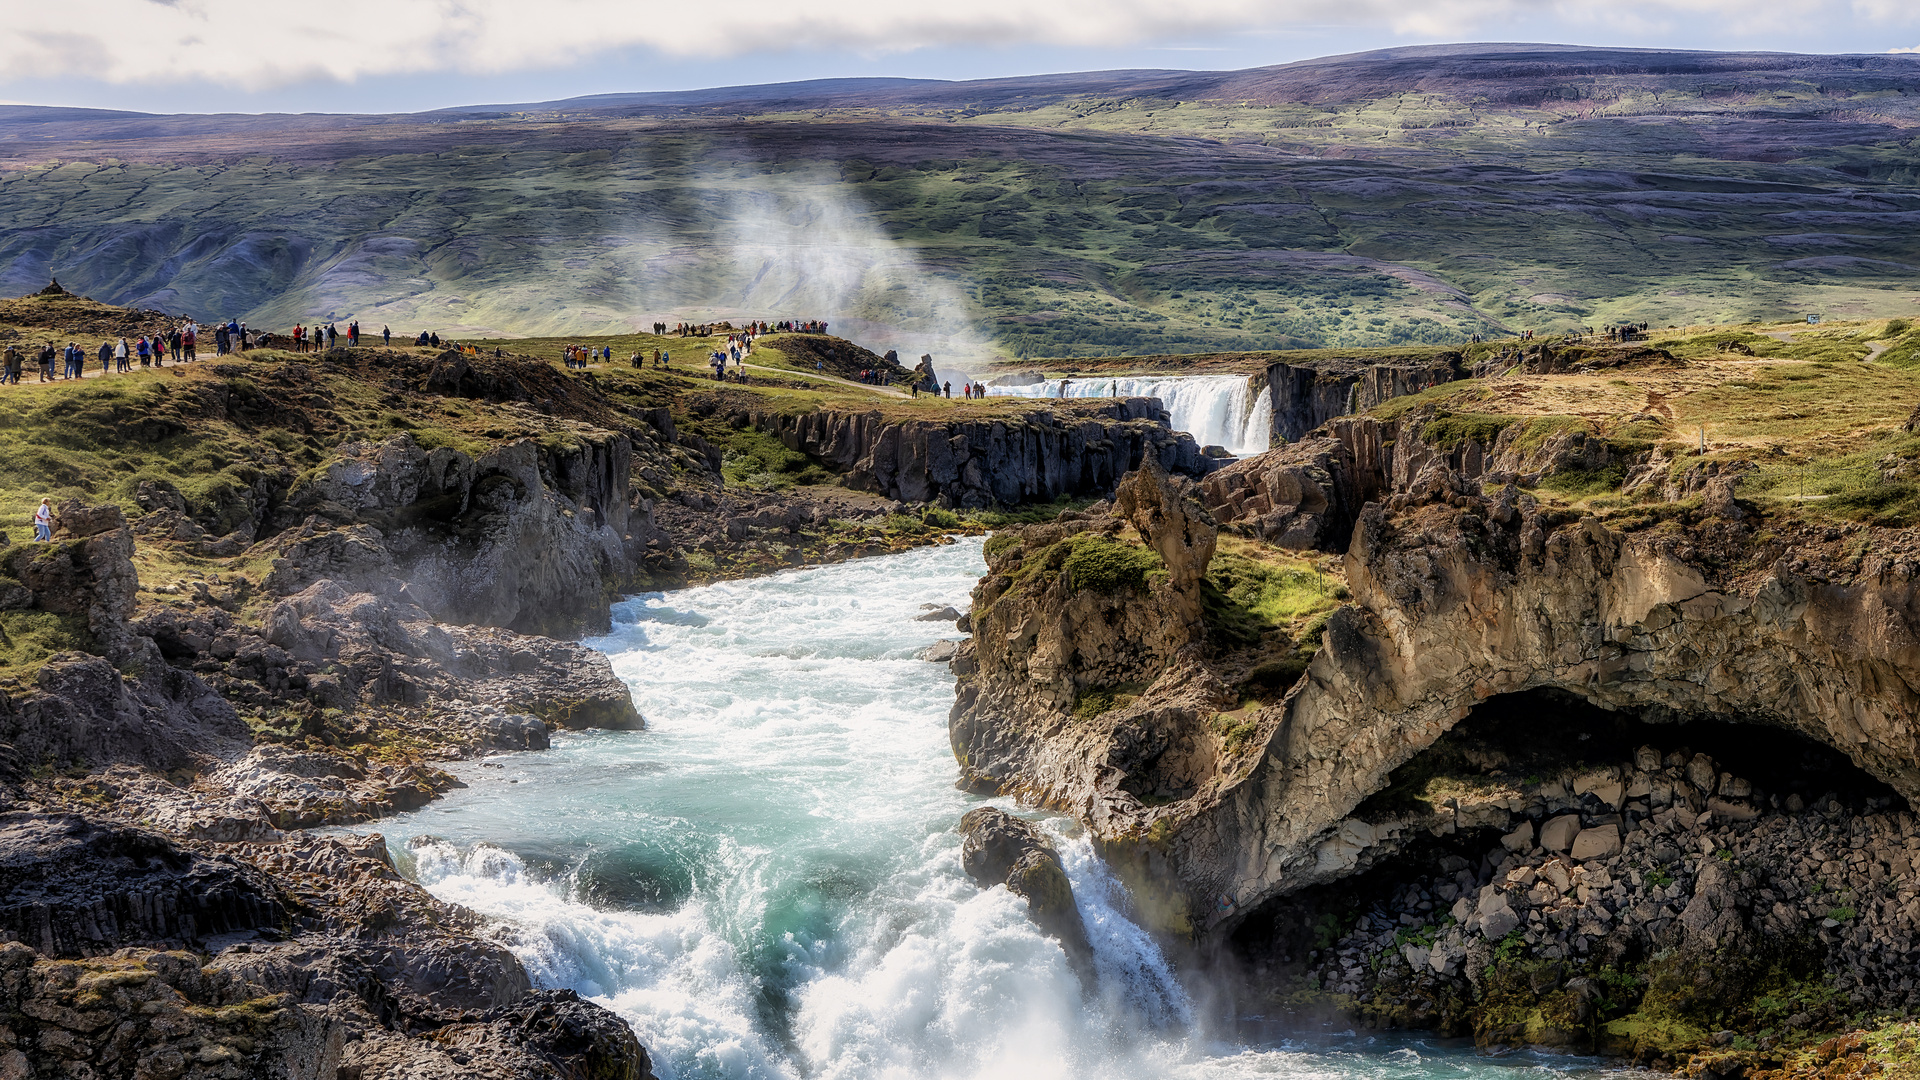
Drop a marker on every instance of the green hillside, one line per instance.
(1370, 201)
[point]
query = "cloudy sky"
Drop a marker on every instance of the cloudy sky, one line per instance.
(405, 55)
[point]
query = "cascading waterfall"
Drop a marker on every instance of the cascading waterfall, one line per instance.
(766, 882)
(1231, 411)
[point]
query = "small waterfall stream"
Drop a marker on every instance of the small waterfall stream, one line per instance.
(1232, 411)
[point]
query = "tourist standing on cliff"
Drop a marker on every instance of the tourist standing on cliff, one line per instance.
(43, 521)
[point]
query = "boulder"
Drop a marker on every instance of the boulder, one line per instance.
(1520, 840)
(938, 614)
(1002, 849)
(1702, 774)
(1597, 843)
(1495, 915)
(1558, 834)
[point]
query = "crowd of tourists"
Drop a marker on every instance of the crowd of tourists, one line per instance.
(757, 329)
(318, 338)
(179, 344)
(579, 356)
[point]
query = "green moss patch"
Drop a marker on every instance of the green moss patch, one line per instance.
(28, 638)
(1449, 431)
(1247, 597)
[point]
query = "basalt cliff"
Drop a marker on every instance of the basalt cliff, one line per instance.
(1635, 780)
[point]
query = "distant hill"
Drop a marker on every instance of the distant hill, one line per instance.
(1405, 195)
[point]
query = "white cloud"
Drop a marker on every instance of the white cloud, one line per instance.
(261, 43)
(1908, 49)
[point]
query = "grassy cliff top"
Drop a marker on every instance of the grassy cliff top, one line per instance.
(1814, 416)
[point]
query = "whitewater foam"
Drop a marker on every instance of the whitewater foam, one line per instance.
(1230, 411)
(766, 883)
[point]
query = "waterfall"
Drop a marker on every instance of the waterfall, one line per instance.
(1233, 411)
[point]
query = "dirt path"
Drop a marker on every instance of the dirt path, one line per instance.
(30, 372)
(1874, 349)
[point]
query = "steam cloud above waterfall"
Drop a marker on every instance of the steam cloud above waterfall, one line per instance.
(799, 244)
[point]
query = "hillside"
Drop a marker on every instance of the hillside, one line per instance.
(1389, 198)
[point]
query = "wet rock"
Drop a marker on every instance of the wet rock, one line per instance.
(940, 652)
(546, 1033)
(1002, 849)
(938, 614)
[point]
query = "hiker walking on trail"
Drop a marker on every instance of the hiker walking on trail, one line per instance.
(120, 357)
(948, 387)
(386, 335)
(43, 522)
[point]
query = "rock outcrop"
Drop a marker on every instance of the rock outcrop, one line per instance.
(150, 1013)
(1305, 494)
(1458, 598)
(1305, 396)
(1042, 455)
(133, 956)
(1001, 849)
(525, 534)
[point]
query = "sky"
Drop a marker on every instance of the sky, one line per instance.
(384, 56)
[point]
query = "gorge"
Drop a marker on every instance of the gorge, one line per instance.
(1456, 714)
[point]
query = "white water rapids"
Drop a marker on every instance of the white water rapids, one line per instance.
(1232, 411)
(766, 882)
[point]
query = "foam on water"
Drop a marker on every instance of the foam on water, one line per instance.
(1231, 411)
(766, 883)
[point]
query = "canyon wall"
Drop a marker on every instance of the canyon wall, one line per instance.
(1064, 449)
(1305, 396)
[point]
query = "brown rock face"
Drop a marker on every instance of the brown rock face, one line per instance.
(1457, 599)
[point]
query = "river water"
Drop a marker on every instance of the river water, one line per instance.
(766, 883)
